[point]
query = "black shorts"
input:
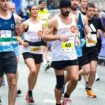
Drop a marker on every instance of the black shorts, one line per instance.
(38, 58)
(8, 63)
(88, 56)
(58, 65)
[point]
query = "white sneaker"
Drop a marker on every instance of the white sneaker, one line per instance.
(66, 101)
(97, 77)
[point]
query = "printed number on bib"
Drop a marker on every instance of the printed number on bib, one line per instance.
(93, 42)
(69, 50)
(5, 34)
(67, 45)
(33, 49)
(5, 37)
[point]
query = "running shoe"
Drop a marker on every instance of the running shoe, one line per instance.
(66, 101)
(98, 79)
(91, 94)
(29, 98)
(18, 92)
(47, 67)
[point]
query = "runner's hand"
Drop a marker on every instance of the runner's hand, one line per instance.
(40, 34)
(89, 38)
(25, 44)
(77, 41)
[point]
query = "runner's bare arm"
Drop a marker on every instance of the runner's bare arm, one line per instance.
(77, 33)
(48, 34)
(86, 27)
(23, 27)
(18, 21)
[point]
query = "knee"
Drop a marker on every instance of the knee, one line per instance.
(75, 78)
(87, 72)
(33, 72)
(12, 83)
(93, 71)
(60, 82)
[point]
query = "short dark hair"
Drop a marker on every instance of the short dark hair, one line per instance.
(92, 5)
(65, 3)
(80, 1)
(30, 7)
(41, 1)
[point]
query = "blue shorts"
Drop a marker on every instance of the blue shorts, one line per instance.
(8, 63)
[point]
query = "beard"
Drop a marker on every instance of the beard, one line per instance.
(66, 13)
(41, 8)
(74, 7)
(96, 15)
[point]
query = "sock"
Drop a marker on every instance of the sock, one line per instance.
(88, 88)
(30, 93)
(58, 104)
(86, 83)
(66, 95)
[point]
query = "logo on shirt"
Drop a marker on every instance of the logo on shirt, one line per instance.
(73, 29)
(79, 27)
(12, 26)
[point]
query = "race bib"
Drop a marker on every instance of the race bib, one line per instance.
(33, 49)
(93, 42)
(69, 50)
(5, 37)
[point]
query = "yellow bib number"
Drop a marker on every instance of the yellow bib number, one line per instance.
(35, 49)
(92, 42)
(67, 45)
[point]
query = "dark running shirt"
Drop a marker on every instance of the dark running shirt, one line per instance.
(7, 27)
(97, 25)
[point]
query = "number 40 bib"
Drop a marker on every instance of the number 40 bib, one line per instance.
(69, 49)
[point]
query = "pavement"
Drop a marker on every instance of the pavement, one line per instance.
(44, 89)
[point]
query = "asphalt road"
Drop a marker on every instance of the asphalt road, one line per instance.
(44, 90)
